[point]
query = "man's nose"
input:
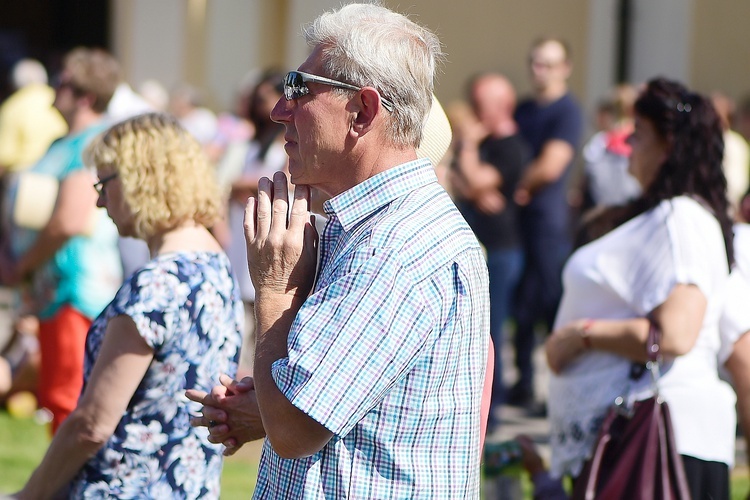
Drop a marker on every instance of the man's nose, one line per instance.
(282, 110)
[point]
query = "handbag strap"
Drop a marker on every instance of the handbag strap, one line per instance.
(653, 353)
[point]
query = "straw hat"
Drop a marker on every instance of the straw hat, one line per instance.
(437, 134)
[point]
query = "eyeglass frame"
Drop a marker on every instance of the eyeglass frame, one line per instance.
(308, 77)
(99, 186)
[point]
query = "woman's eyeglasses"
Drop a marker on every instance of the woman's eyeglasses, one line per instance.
(295, 86)
(99, 186)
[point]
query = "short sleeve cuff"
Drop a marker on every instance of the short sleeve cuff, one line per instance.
(291, 382)
(283, 377)
(299, 390)
(659, 292)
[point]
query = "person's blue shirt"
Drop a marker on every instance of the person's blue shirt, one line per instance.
(559, 120)
(389, 351)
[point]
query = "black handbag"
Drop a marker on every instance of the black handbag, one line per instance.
(635, 456)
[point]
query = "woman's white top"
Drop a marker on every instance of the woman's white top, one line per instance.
(735, 321)
(626, 274)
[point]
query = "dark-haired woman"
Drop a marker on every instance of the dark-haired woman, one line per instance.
(664, 258)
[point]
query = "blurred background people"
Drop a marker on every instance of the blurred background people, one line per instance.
(664, 258)
(490, 156)
(234, 125)
(186, 104)
(72, 260)
(551, 123)
(736, 161)
(125, 103)
(243, 165)
(742, 118)
(173, 325)
(28, 122)
(154, 93)
(19, 361)
(607, 181)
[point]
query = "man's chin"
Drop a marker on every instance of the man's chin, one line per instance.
(295, 173)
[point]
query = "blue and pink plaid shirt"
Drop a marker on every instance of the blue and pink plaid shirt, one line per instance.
(389, 351)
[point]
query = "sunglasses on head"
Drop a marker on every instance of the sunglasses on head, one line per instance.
(295, 86)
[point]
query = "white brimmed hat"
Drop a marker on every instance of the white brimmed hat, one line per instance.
(437, 134)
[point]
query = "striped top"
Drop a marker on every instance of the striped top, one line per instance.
(389, 351)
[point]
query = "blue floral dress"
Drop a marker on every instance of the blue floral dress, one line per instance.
(187, 308)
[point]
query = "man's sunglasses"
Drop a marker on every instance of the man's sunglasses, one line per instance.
(295, 86)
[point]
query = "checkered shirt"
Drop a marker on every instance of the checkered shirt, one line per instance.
(389, 351)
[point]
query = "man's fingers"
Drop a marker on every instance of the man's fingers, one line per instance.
(198, 422)
(246, 384)
(280, 203)
(236, 387)
(263, 209)
(214, 414)
(250, 219)
(218, 433)
(196, 395)
(300, 208)
(208, 420)
(219, 393)
(229, 383)
(231, 447)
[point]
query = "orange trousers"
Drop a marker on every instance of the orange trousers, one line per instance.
(62, 340)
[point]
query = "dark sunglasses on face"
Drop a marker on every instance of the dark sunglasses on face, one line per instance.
(295, 86)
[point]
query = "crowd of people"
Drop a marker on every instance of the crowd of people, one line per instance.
(310, 270)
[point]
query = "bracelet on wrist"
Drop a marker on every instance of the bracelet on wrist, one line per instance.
(584, 332)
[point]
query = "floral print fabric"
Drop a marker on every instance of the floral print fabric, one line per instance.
(186, 306)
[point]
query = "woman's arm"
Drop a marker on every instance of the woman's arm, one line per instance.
(738, 365)
(680, 319)
(123, 361)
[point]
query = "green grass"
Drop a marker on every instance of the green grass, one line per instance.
(23, 442)
(22, 446)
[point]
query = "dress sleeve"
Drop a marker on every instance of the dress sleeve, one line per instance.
(152, 300)
(352, 341)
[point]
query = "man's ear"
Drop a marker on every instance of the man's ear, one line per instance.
(369, 106)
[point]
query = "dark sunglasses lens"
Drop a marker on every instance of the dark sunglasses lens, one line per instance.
(294, 86)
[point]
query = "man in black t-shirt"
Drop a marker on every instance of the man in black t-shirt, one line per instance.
(489, 161)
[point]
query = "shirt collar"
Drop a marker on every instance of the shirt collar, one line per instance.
(355, 204)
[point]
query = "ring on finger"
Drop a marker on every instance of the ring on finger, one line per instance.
(212, 423)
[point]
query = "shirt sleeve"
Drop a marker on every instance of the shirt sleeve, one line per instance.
(568, 124)
(352, 341)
